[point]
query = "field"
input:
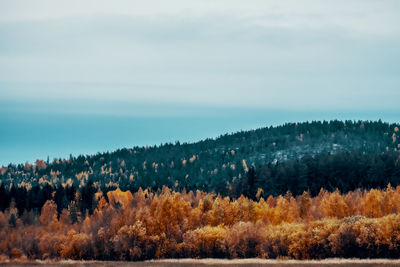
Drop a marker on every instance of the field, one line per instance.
(214, 262)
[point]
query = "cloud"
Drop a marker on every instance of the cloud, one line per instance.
(307, 54)
(365, 16)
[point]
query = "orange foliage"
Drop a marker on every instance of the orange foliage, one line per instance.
(333, 205)
(146, 225)
(119, 197)
(206, 241)
(40, 164)
(49, 212)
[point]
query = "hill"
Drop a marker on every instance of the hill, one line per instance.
(305, 191)
(296, 157)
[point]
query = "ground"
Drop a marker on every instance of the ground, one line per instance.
(213, 262)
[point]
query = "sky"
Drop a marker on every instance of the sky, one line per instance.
(275, 54)
(182, 58)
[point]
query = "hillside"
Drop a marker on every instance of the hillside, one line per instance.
(211, 164)
(305, 191)
(295, 157)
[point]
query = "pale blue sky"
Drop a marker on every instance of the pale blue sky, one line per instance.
(272, 61)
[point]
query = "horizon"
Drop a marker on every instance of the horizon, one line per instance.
(235, 65)
(61, 142)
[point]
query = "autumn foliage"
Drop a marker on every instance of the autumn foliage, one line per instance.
(168, 224)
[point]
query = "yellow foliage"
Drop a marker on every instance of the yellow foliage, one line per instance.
(244, 164)
(209, 240)
(373, 203)
(192, 159)
(118, 196)
(333, 205)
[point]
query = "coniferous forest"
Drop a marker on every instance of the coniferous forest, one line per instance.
(307, 190)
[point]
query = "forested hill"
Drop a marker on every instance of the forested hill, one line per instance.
(217, 198)
(221, 165)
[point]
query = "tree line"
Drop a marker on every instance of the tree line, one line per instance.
(212, 164)
(343, 171)
(168, 224)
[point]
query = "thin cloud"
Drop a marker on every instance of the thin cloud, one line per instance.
(307, 54)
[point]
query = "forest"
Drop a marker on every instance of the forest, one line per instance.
(307, 190)
(169, 224)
